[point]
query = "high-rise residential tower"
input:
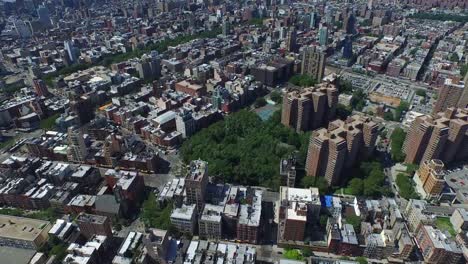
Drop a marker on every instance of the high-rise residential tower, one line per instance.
(441, 136)
(309, 108)
(323, 36)
(77, 150)
(451, 94)
(313, 62)
(340, 146)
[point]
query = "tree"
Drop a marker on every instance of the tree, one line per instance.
(403, 107)
(358, 101)
(344, 86)
(355, 187)
(421, 92)
(411, 168)
(367, 180)
(440, 17)
(361, 260)
(463, 70)
(397, 139)
(355, 221)
(454, 57)
(405, 187)
(307, 252)
(343, 111)
(323, 220)
(318, 182)
(388, 116)
(294, 254)
(276, 97)
(303, 80)
(243, 149)
(49, 123)
(259, 102)
(308, 181)
(155, 216)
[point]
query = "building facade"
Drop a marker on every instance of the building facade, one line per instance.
(442, 136)
(340, 146)
(91, 225)
(309, 108)
(313, 62)
(196, 182)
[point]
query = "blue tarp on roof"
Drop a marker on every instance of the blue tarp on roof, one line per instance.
(328, 201)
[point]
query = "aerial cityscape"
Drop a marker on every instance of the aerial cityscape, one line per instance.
(233, 132)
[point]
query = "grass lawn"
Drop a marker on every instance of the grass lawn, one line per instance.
(294, 254)
(49, 123)
(443, 223)
(8, 143)
(343, 190)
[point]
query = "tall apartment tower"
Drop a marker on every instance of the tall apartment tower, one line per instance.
(291, 40)
(40, 87)
(226, 27)
(323, 36)
(463, 102)
(71, 50)
(348, 48)
(313, 19)
(431, 175)
(349, 23)
(441, 136)
(196, 182)
(44, 16)
(451, 94)
(309, 108)
(77, 150)
(313, 62)
(340, 146)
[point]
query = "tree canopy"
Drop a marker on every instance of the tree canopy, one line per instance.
(358, 101)
(367, 180)
(440, 17)
(355, 221)
(276, 97)
(303, 80)
(397, 140)
(421, 92)
(259, 102)
(344, 86)
(403, 107)
(244, 150)
(464, 70)
(405, 186)
(153, 215)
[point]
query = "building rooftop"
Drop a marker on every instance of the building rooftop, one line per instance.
(197, 170)
(185, 212)
(21, 228)
(131, 242)
(90, 218)
(212, 213)
(82, 200)
(441, 241)
(249, 214)
(310, 195)
(348, 235)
